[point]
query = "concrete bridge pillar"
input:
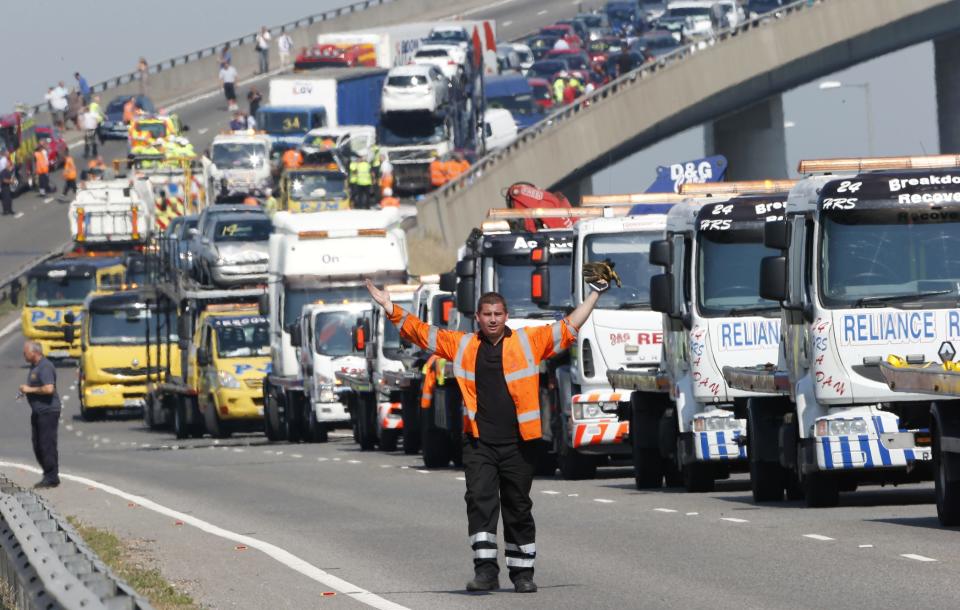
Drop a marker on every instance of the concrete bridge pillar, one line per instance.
(946, 65)
(752, 139)
(575, 190)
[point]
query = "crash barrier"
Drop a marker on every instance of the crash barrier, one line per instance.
(196, 72)
(550, 123)
(45, 563)
(7, 282)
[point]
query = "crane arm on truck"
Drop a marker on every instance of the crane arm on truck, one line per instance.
(523, 195)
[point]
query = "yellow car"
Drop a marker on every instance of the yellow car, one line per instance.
(232, 359)
(58, 288)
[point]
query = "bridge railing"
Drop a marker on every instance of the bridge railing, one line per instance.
(248, 39)
(614, 87)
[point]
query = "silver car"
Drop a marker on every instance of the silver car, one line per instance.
(232, 249)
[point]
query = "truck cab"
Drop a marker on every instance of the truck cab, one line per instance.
(412, 141)
(314, 188)
(327, 347)
(320, 257)
(866, 267)
(112, 212)
(714, 318)
(114, 361)
(240, 164)
(56, 291)
(287, 125)
(232, 358)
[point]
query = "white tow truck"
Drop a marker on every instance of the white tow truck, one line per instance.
(112, 212)
(867, 266)
(239, 165)
(713, 318)
(319, 257)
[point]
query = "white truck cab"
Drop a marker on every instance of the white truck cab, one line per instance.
(868, 266)
(326, 347)
(118, 211)
(240, 164)
(714, 318)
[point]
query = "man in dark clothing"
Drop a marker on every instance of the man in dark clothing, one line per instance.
(41, 392)
(497, 371)
(6, 194)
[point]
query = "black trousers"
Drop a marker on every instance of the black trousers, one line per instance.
(90, 143)
(43, 182)
(6, 199)
(498, 480)
(43, 428)
(69, 185)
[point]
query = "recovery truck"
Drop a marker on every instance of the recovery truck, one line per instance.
(713, 318)
(314, 188)
(18, 137)
(326, 344)
(313, 258)
(349, 96)
(865, 266)
(59, 287)
(239, 165)
(376, 407)
(117, 213)
(115, 364)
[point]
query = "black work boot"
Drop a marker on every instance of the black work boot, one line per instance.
(525, 584)
(483, 582)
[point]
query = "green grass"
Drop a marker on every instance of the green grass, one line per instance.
(146, 580)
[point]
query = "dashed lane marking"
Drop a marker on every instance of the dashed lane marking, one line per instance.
(282, 556)
(354, 462)
(461, 478)
(550, 492)
(664, 510)
(423, 471)
(385, 466)
(820, 537)
(479, 9)
(864, 546)
(543, 12)
(296, 455)
(573, 495)
(916, 557)
(603, 501)
(507, 24)
(734, 520)
(692, 514)
(6, 330)
(322, 459)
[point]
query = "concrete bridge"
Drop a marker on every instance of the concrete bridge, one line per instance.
(733, 83)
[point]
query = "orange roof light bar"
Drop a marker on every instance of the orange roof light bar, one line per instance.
(744, 186)
(865, 164)
(629, 199)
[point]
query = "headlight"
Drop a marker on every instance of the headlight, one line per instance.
(841, 427)
(97, 391)
(226, 380)
(327, 394)
(715, 423)
(587, 410)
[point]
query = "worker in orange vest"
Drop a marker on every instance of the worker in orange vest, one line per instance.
(69, 175)
(250, 200)
(95, 169)
(129, 108)
(389, 201)
(41, 167)
(498, 372)
(292, 158)
(438, 173)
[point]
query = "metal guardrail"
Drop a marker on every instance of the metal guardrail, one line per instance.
(9, 280)
(46, 563)
(611, 89)
(180, 60)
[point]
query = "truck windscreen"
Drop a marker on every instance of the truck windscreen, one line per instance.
(513, 281)
(728, 271)
(237, 339)
(295, 298)
(127, 327)
(889, 254)
(57, 291)
(238, 155)
(307, 186)
(410, 132)
(630, 254)
(333, 332)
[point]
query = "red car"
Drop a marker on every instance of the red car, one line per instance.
(336, 55)
(54, 142)
(542, 94)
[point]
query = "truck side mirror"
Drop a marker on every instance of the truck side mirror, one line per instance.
(448, 282)
(661, 253)
(776, 234)
(69, 333)
(773, 278)
(183, 327)
(466, 267)
(203, 356)
(540, 286)
(661, 293)
(467, 296)
(360, 333)
(296, 336)
(263, 304)
(15, 293)
(69, 318)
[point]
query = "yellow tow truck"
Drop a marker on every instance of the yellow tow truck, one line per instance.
(314, 188)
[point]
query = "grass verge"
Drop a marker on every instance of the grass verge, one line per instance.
(128, 562)
(7, 601)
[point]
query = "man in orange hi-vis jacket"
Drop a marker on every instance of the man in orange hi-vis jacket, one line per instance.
(498, 371)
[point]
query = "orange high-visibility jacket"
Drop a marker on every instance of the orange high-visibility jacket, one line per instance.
(438, 174)
(40, 164)
(523, 350)
(292, 158)
(429, 381)
(69, 169)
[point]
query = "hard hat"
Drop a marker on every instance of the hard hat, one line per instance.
(388, 192)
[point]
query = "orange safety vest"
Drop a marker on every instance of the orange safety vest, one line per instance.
(429, 382)
(40, 163)
(292, 158)
(438, 175)
(389, 202)
(523, 351)
(69, 169)
(386, 181)
(128, 111)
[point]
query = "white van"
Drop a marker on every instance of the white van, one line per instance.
(499, 128)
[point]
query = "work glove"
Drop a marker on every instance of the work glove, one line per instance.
(600, 275)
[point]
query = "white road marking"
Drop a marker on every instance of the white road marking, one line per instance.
(336, 459)
(238, 450)
(401, 468)
(865, 546)
(543, 12)
(461, 478)
(692, 514)
(424, 471)
(550, 492)
(282, 556)
(664, 510)
(734, 520)
(917, 557)
(385, 466)
(603, 501)
(278, 453)
(480, 9)
(296, 455)
(69, 427)
(18, 216)
(6, 330)
(203, 130)
(267, 451)
(145, 445)
(47, 200)
(354, 462)
(573, 495)
(820, 537)
(107, 440)
(73, 387)
(507, 24)
(65, 397)
(322, 459)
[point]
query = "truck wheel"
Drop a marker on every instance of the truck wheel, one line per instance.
(411, 426)
(766, 481)
(389, 439)
(292, 421)
(647, 468)
(575, 466)
(316, 432)
(367, 423)
(698, 478)
(821, 490)
(180, 427)
(546, 464)
(946, 468)
(214, 426)
(148, 413)
(436, 447)
(89, 414)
